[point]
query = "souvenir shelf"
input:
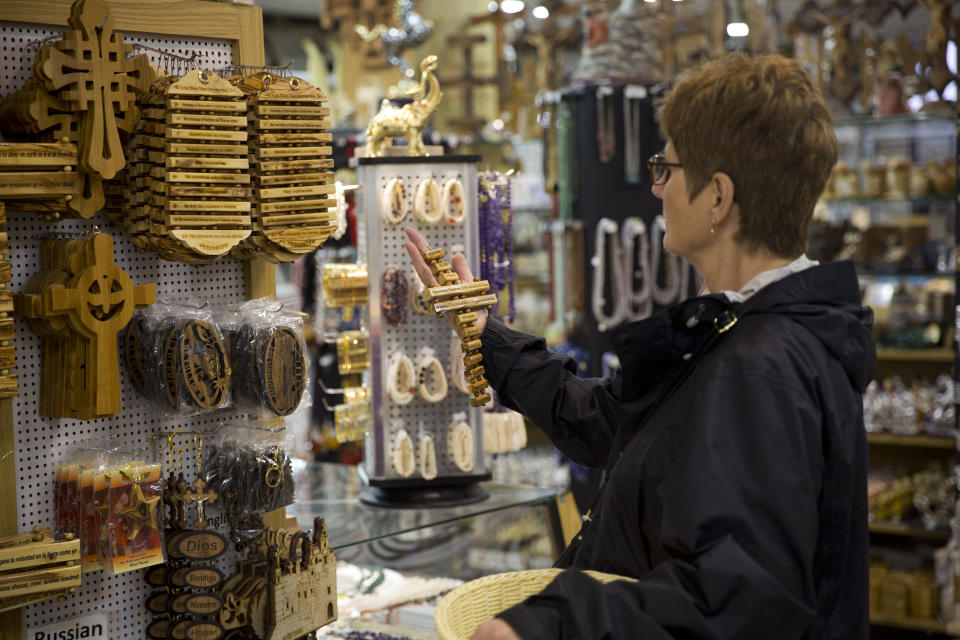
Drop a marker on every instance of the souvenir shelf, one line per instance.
(222, 34)
(896, 185)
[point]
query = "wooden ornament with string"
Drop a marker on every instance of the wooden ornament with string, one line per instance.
(464, 300)
(294, 208)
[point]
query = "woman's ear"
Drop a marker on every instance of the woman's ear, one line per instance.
(723, 193)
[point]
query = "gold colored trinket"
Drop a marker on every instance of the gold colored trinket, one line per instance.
(453, 296)
(409, 120)
(344, 285)
(353, 352)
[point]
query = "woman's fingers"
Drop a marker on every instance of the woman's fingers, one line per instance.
(461, 268)
(420, 266)
(416, 248)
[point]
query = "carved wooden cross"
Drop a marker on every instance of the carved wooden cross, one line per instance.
(91, 69)
(199, 495)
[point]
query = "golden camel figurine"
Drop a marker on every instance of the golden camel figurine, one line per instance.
(409, 120)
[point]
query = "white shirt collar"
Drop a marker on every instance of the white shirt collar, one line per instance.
(770, 276)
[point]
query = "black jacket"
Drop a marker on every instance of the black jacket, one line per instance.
(739, 499)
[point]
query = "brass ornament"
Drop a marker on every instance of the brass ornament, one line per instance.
(409, 120)
(462, 299)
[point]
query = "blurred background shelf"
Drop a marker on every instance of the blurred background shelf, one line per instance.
(897, 440)
(916, 355)
(909, 531)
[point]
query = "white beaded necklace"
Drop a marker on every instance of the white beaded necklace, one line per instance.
(639, 302)
(606, 227)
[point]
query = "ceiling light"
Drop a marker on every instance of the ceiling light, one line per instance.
(541, 12)
(511, 6)
(492, 7)
(738, 29)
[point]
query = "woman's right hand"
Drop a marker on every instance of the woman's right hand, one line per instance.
(416, 247)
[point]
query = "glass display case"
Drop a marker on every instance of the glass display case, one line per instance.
(517, 527)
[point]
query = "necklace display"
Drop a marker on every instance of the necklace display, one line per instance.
(460, 443)
(605, 321)
(633, 96)
(567, 184)
(672, 267)
(427, 457)
(606, 124)
(403, 456)
(401, 379)
(393, 208)
(496, 237)
(636, 254)
(427, 206)
(431, 378)
(393, 296)
(454, 206)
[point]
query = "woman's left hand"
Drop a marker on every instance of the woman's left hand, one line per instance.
(495, 629)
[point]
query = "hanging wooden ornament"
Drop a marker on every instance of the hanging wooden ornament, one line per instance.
(293, 211)
(81, 301)
(463, 299)
(40, 176)
(8, 381)
(84, 89)
(195, 140)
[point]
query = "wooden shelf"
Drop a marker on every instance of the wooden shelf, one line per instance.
(899, 529)
(896, 440)
(916, 624)
(916, 355)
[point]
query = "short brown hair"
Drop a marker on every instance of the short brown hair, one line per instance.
(761, 121)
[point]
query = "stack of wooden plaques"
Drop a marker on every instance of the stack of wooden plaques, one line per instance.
(40, 176)
(292, 163)
(464, 300)
(84, 89)
(191, 170)
(34, 567)
(8, 381)
(78, 303)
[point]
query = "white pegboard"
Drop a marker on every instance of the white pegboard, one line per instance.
(381, 245)
(40, 444)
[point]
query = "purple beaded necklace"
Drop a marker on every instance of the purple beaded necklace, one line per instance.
(496, 236)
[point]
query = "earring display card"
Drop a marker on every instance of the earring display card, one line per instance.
(380, 246)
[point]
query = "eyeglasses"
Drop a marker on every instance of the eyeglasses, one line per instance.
(659, 168)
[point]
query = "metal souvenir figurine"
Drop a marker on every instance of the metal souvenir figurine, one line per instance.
(409, 120)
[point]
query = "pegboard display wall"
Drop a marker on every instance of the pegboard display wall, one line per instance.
(381, 245)
(41, 444)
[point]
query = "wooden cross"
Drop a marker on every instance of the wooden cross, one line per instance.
(199, 495)
(90, 68)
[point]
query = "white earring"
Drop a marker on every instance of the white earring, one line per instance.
(453, 204)
(426, 202)
(404, 460)
(393, 204)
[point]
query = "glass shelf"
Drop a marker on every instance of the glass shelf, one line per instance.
(332, 492)
(922, 200)
(883, 121)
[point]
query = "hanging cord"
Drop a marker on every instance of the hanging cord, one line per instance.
(607, 227)
(636, 266)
